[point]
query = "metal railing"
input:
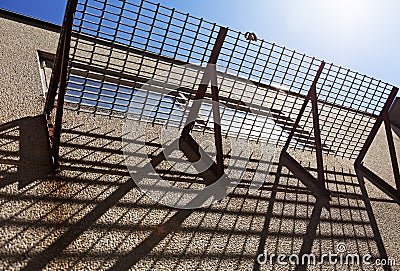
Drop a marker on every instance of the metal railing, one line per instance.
(113, 53)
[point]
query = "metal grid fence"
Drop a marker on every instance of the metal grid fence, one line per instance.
(142, 60)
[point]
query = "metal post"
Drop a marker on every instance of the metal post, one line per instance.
(210, 74)
(376, 126)
(217, 130)
(55, 74)
(316, 186)
(207, 76)
(363, 171)
(312, 96)
(392, 150)
(303, 108)
(317, 132)
(59, 78)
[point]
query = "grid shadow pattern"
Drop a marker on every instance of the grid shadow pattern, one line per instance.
(78, 220)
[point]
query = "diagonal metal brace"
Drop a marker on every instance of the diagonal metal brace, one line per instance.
(210, 75)
(362, 171)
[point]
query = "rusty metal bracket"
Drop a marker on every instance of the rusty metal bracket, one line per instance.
(316, 186)
(362, 171)
(58, 82)
(210, 75)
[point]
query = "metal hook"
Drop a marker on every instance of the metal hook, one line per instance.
(250, 36)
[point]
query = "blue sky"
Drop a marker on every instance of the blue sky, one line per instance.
(363, 35)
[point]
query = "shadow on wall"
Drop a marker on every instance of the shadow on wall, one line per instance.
(24, 151)
(394, 116)
(92, 216)
(396, 130)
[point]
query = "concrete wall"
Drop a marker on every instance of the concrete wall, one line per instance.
(20, 83)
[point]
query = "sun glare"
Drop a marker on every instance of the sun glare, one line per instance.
(333, 16)
(346, 14)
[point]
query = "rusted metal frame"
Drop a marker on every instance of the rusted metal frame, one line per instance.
(317, 131)
(316, 186)
(392, 151)
(304, 82)
(210, 74)
(55, 74)
(376, 126)
(300, 172)
(59, 78)
(200, 94)
(312, 93)
(217, 124)
(364, 171)
(54, 80)
(359, 123)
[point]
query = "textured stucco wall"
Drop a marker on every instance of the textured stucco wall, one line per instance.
(20, 83)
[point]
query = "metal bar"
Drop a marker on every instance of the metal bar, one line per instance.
(304, 176)
(55, 74)
(376, 126)
(194, 111)
(392, 150)
(378, 182)
(210, 75)
(304, 85)
(317, 187)
(360, 121)
(217, 128)
(303, 108)
(207, 168)
(317, 131)
(63, 79)
(218, 45)
(358, 164)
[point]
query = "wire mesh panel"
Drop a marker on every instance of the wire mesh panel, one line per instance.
(142, 60)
